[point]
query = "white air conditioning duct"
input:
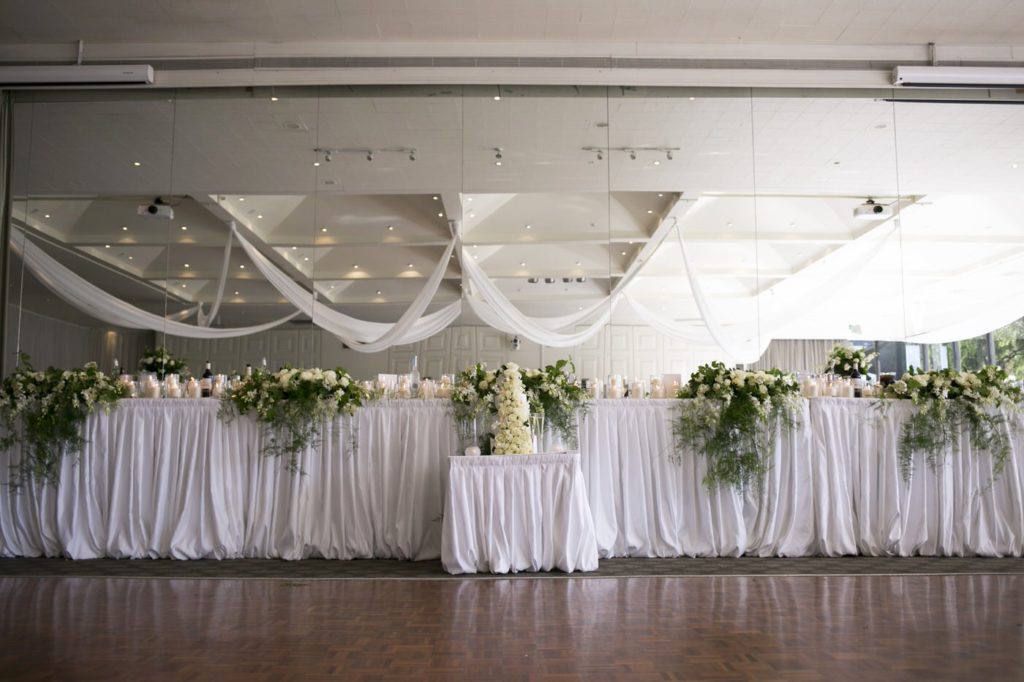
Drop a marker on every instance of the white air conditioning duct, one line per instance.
(957, 77)
(75, 75)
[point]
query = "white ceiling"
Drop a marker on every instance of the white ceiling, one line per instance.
(89, 159)
(851, 22)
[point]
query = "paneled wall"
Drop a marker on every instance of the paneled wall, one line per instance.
(617, 349)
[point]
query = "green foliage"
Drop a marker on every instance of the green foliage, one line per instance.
(44, 412)
(949, 402)
(732, 418)
(291, 405)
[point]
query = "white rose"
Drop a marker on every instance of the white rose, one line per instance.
(344, 382)
(306, 376)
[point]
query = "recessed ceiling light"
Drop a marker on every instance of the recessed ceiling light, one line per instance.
(391, 228)
(579, 308)
(131, 257)
(472, 215)
(46, 215)
(305, 258)
(476, 257)
(579, 263)
(660, 194)
(522, 264)
(316, 164)
(106, 246)
(528, 227)
(409, 265)
(236, 293)
(623, 253)
(1013, 165)
(469, 198)
(379, 292)
(136, 163)
(497, 163)
(186, 265)
(497, 98)
(355, 266)
(476, 246)
(692, 98)
(184, 228)
(241, 267)
(440, 215)
(323, 229)
(241, 198)
(124, 228)
(331, 287)
(650, 211)
(273, 98)
(184, 286)
(294, 248)
(657, 163)
(259, 216)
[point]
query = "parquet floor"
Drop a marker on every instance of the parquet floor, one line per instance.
(864, 628)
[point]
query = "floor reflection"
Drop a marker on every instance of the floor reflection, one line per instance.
(724, 627)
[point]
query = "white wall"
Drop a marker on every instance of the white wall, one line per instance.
(616, 349)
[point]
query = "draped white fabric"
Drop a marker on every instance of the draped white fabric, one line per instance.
(168, 478)
(517, 513)
(90, 299)
(205, 320)
(367, 337)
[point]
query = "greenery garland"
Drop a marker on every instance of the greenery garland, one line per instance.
(949, 402)
(733, 417)
(44, 412)
(552, 391)
(291, 405)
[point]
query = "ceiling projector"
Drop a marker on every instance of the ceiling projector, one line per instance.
(869, 210)
(157, 209)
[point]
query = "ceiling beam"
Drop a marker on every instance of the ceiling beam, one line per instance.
(677, 209)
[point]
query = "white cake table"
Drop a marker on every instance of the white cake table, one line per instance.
(511, 513)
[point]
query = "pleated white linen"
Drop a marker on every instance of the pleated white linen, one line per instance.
(511, 513)
(865, 507)
(169, 478)
(644, 504)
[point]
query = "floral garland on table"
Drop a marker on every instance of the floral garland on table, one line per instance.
(291, 404)
(160, 361)
(513, 432)
(950, 401)
(733, 417)
(44, 412)
(553, 392)
(844, 361)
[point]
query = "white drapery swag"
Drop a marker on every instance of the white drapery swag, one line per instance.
(90, 299)
(360, 335)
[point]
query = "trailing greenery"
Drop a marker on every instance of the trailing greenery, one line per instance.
(552, 391)
(160, 361)
(43, 412)
(950, 402)
(291, 405)
(844, 361)
(733, 417)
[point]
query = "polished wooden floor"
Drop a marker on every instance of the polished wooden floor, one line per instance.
(861, 628)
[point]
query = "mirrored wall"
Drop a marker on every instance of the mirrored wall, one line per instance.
(639, 231)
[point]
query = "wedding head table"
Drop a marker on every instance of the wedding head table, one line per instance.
(168, 478)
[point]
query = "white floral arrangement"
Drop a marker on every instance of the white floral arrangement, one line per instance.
(291, 403)
(845, 360)
(513, 433)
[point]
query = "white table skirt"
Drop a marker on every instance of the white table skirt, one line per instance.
(168, 478)
(517, 513)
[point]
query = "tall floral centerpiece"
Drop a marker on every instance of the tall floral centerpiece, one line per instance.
(845, 360)
(159, 361)
(554, 392)
(732, 418)
(513, 433)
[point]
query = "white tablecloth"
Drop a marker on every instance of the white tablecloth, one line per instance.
(517, 513)
(834, 488)
(168, 478)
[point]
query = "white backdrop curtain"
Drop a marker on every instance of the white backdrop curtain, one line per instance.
(92, 300)
(796, 355)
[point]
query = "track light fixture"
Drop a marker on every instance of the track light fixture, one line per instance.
(369, 156)
(497, 156)
(634, 153)
(367, 153)
(632, 156)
